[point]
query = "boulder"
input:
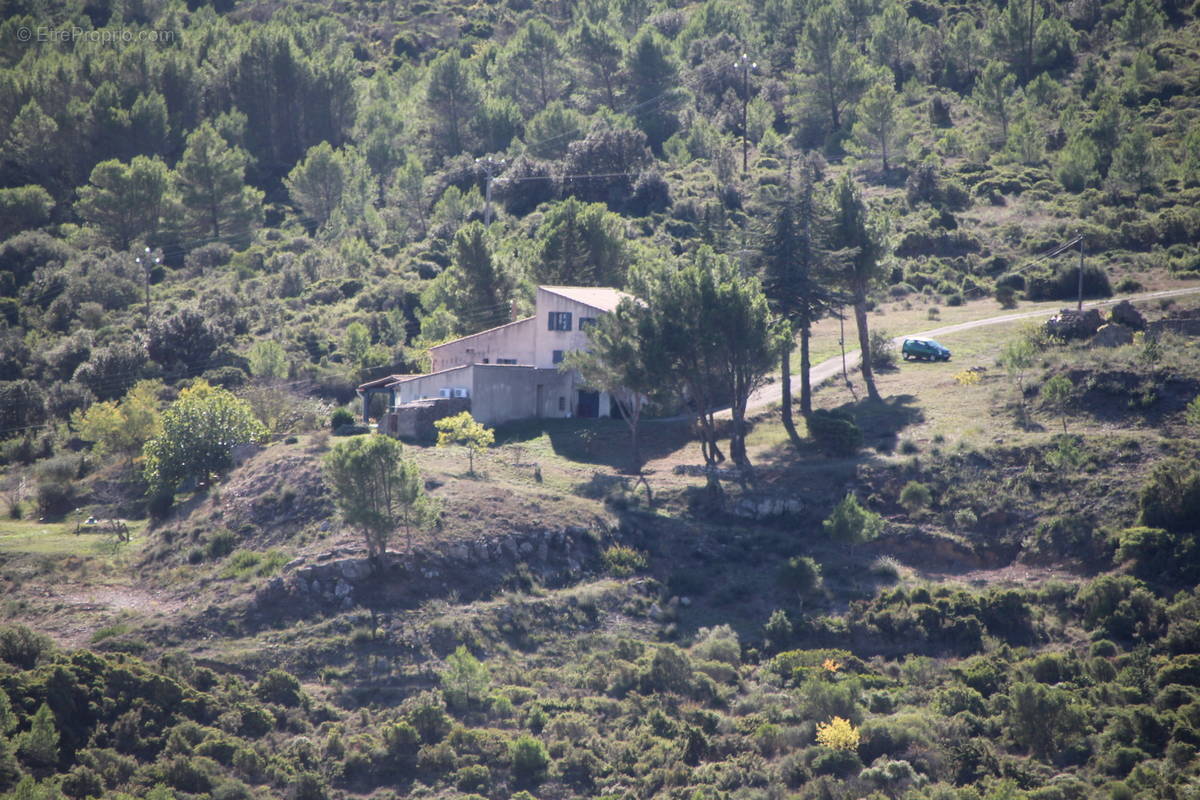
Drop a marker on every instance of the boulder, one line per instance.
(1123, 313)
(1112, 335)
(1072, 324)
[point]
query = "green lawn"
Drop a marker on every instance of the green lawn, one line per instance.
(21, 537)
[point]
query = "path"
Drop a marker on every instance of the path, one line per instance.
(818, 373)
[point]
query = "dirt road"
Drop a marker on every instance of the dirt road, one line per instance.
(772, 392)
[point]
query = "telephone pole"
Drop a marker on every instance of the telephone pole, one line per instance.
(1079, 305)
(489, 164)
(745, 64)
(147, 264)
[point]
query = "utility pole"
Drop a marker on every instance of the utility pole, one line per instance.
(147, 264)
(746, 65)
(488, 165)
(1079, 306)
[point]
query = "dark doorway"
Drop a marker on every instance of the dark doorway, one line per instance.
(589, 404)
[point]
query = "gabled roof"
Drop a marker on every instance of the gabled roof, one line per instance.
(380, 383)
(521, 321)
(602, 298)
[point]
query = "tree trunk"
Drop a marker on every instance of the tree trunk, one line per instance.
(737, 439)
(805, 365)
(785, 379)
(864, 343)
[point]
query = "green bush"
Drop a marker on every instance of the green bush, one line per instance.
(22, 647)
(529, 760)
(915, 496)
(278, 686)
(341, 417)
(851, 523)
(1063, 284)
(883, 350)
(220, 544)
(623, 561)
(1170, 497)
(835, 432)
(800, 574)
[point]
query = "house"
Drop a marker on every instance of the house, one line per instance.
(506, 373)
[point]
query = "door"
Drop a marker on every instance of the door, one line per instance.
(589, 404)
(537, 409)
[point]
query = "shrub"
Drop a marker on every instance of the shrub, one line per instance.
(887, 568)
(838, 734)
(883, 350)
(220, 544)
(340, 418)
(22, 647)
(801, 575)
(529, 759)
(1063, 284)
(1170, 497)
(623, 561)
(835, 432)
(851, 523)
(278, 686)
(915, 496)
(55, 493)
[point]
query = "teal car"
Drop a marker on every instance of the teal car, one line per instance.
(924, 350)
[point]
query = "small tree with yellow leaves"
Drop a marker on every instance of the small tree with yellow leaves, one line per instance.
(463, 429)
(838, 734)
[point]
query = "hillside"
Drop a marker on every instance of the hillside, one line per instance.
(979, 586)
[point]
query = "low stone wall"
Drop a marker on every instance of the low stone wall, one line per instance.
(414, 421)
(1182, 327)
(338, 579)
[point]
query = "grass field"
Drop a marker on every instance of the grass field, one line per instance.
(20, 537)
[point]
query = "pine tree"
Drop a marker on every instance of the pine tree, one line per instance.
(795, 259)
(839, 72)
(994, 95)
(532, 67)
(599, 53)
(880, 122)
(1141, 22)
(1137, 161)
(453, 96)
(654, 84)
(125, 202)
(854, 229)
(38, 747)
(211, 182)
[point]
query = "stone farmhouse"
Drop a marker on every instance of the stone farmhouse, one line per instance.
(505, 373)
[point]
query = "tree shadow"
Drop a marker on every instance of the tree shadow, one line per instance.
(600, 441)
(881, 421)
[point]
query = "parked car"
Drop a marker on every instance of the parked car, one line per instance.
(925, 350)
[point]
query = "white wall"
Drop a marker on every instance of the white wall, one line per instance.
(547, 341)
(514, 340)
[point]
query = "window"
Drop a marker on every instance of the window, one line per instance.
(557, 356)
(562, 404)
(586, 322)
(486, 361)
(560, 321)
(506, 361)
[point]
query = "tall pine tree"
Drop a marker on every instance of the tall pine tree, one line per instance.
(797, 260)
(854, 229)
(211, 182)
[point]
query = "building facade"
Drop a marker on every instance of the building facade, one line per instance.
(511, 372)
